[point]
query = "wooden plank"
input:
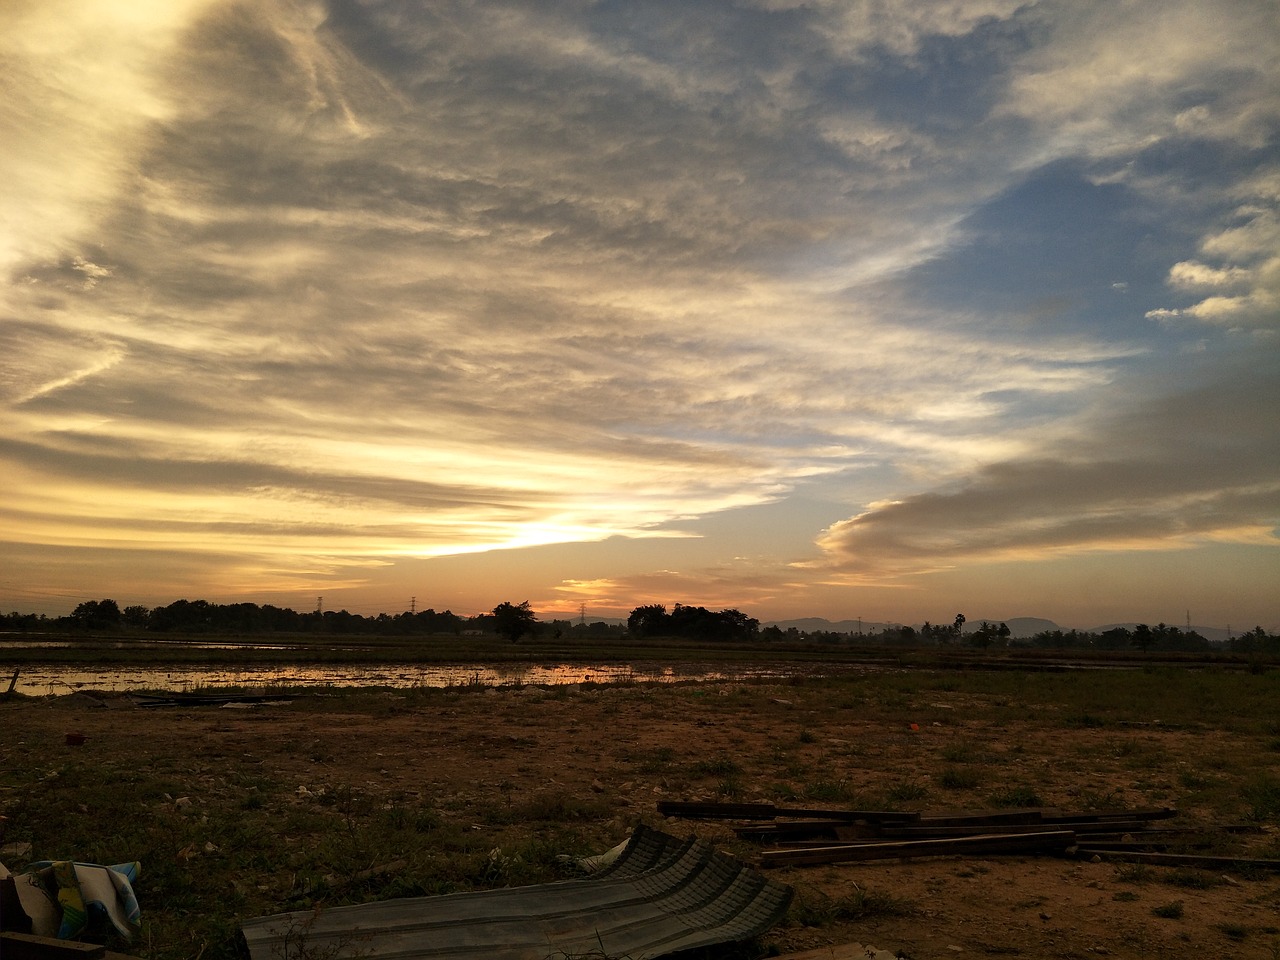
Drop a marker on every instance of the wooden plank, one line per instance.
(779, 829)
(1178, 859)
(1101, 816)
(991, 844)
(26, 946)
(923, 832)
(994, 818)
(1155, 844)
(711, 810)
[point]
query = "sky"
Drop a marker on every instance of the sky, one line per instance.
(833, 308)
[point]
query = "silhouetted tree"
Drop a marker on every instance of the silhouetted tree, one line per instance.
(514, 620)
(1143, 637)
(136, 615)
(96, 615)
(649, 620)
(989, 634)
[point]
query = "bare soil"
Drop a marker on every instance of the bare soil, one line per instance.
(608, 754)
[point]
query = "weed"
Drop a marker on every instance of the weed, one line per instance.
(721, 766)
(1022, 796)
(955, 779)
(558, 807)
(296, 942)
(1138, 873)
(730, 788)
(808, 736)
(958, 753)
(1191, 780)
(1125, 896)
(907, 793)
(836, 791)
(1263, 796)
(1192, 879)
(1170, 911)
(1092, 800)
(813, 908)
(1232, 931)
(658, 760)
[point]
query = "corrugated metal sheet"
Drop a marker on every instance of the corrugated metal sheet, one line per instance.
(661, 895)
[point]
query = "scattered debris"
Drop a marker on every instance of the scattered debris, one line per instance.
(61, 899)
(660, 895)
(805, 836)
(26, 946)
(210, 700)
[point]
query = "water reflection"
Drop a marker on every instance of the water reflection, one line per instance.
(43, 680)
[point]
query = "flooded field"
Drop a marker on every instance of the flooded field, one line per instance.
(43, 680)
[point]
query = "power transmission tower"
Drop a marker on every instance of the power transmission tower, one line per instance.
(413, 605)
(582, 614)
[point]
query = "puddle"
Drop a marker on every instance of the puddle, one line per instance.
(51, 679)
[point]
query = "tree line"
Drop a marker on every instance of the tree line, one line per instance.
(515, 621)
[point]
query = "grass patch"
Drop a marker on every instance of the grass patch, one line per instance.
(907, 793)
(1169, 911)
(1021, 796)
(1192, 879)
(955, 778)
(829, 791)
(1235, 932)
(1262, 794)
(813, 908)
(958, 753)
(721, 766)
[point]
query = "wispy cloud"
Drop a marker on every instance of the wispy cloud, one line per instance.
(1168, 473)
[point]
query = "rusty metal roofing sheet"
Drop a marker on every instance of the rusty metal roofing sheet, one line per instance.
(661, 895)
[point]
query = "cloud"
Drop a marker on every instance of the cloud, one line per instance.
(1191, 275)
(78, 92)
(1244, 291)
(1175, 470)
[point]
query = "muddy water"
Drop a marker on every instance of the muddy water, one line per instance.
(44, 680)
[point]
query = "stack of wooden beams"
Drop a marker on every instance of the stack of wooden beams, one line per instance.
(803, 836)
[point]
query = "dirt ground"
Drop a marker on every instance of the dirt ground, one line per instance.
(625, 748)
